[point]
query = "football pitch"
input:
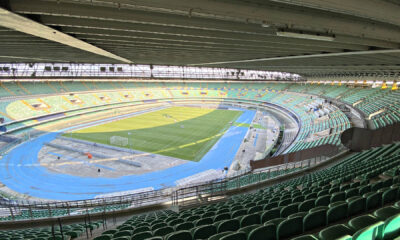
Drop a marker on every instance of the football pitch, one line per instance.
(181, 132)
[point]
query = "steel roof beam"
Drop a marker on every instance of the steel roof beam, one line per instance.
(19, 23)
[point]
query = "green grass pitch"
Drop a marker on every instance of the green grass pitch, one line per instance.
(182, 132)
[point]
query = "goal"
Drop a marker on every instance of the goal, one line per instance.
(119, 141)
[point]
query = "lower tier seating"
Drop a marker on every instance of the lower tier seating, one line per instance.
(355, 199)
(67, 232)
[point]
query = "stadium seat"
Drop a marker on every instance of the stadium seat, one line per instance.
(179, 235)
(266, 232)
(218, 236)
(228, 225)
(323, 200)
(373, 200)
(336, 213)
(184, 226)
(361, 222)
(235, 236)
(103, 237)
(248, 229)
(371, 232)
(289, 227)
(204, 232)
(269, 215)
(289, 209)
(391, 227)
(163, 231)
(250, 220)
(356, 205)
(314, 220)
(307, 205)
(222, 216)
(390, 195)
(386, 212)
(305, 237)
(334, 232)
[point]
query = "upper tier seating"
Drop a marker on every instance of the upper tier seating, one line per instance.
(314, 119)
(368, 100)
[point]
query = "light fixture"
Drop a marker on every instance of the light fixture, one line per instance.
(305, 36)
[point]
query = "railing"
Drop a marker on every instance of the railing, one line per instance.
(326, 150)
(183, 196)
(178, 196)
(191, 195)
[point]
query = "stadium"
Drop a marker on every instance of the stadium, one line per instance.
(192, 120)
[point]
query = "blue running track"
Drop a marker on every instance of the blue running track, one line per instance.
(17, 172)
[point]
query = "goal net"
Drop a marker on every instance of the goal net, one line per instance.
(119, 141)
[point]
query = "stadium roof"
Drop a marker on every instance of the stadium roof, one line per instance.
(301, 36)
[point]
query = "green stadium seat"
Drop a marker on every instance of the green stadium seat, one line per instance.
(266, 232)
(284, 202)
(204, 232)
(390, 195)
(235, 236)
(239, 213)
(176, 222)
(336, 213)
(128, 238)
(290, 209)
(102, 237)
(275, 221)
(163, 231)
(361, 222)
(141, 229)
(289, 227)
(73, 234)
(306, 205)
(314, 219)
(204, 221)
(391, 227)
(338, 196)
(269, 215)
(191, 218)
(335, 232)
(364, 189)
(318, 208)
(270, 206)
(228, 225)
(298, 199)
(386, 212)
(352, 192)
(128, 228)
(250, 220)
(305, 237)
(223, 216)
(371, 232)
(356, 205)
(254, 209)
(298, 214)
(179, 235)
(248, 229)
(184, 226)
(323, 200)
(373, 200)
(218, 236)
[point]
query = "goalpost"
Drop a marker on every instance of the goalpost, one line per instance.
(119, 141)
